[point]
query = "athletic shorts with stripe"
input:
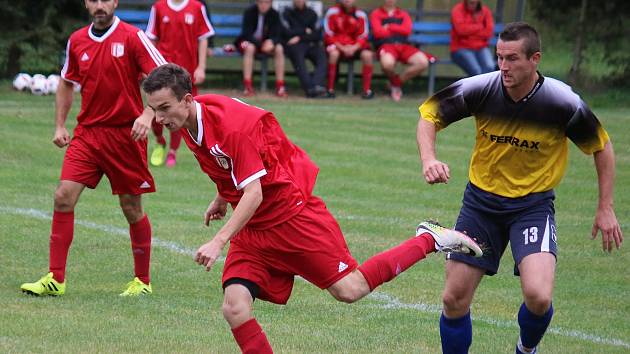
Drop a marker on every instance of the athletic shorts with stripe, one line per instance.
(99, 150)
(527, 223)
(310, 245)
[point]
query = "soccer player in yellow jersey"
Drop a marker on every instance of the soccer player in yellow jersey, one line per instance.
(523, 123)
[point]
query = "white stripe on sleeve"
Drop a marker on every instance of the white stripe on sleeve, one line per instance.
(64, 70)
(210, 32)
(158, 59)
(150, 31)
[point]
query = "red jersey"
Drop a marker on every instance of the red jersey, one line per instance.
(108, 69)
(471, 30)
(237, 143)
(346, 27)
(390, 27)
(178, 30)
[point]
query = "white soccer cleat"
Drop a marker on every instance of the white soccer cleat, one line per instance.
(449, 241)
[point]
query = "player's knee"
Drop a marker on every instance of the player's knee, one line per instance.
(234, 311)
(279, 49)
(455, 303)
(64, 199)
(348, 293)
(132, 208)
(537, 302)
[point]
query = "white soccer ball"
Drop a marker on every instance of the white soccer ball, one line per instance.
(22, 81)
(52, 82)
(39, 85)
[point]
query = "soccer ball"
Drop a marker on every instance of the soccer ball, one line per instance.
(52, 82)
(39, 85)
(22, 81)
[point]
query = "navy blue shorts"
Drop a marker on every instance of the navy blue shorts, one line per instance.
(527, 223)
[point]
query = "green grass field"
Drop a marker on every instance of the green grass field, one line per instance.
(371, 179)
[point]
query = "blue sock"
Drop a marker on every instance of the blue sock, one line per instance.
(456, 334)
(533, 327)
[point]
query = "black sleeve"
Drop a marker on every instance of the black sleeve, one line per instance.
(275, 27)
(313, 24)
(291, 30)
(250, 18)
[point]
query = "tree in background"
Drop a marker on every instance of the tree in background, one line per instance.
(34, 34)
(587, 23)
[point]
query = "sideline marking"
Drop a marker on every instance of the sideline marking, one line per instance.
(387, 301)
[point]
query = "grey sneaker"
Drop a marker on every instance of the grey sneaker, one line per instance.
(447, 240)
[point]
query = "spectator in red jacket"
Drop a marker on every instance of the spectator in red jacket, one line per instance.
(346, 33)
(473, 27)
(390, 28)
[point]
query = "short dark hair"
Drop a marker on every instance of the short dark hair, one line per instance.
(518, 30)
(170, 76)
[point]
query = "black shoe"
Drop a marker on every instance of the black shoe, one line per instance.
(330, 94)
(368, 95)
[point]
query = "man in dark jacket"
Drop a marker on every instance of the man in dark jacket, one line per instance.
(302, 33)
(261, 33)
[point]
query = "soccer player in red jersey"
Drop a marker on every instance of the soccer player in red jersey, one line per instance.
(106, 59)
(346, 33)
(278, 228)
(180, 29)
(390, 28)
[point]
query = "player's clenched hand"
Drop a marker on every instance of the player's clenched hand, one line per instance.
(199, 75)
(606, 222)
(216, 210)
(209, 252)
(142, 125)
(62, 137)
(435, 171)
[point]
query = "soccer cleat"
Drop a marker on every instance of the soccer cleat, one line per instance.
(330, 94)
(367, 95)
(447, 240)
(249, 92)
(281, 92)
(47, 285)
(396, 93)
(136, 288)
(521, 350)
(158, 154)
(171, 159)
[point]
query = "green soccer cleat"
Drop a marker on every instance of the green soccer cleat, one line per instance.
(447, 240)
(136, 288)
(47, 285)
(158, 155)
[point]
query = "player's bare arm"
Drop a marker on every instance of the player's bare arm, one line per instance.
(200, 72)
(142, 124)
(216, 209)
(63, 102)
(605, 218)
(434, 171)
(209, 252)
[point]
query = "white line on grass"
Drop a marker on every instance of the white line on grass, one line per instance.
(387, 301)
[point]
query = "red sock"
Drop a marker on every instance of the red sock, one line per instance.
(157, 130)
(279, 84)
(366, 75)
(176, 139)
(395, 81)
(332, 75)
(247, 83)
(140, 234)
(251, 338)
(385, 266)
(61, 235)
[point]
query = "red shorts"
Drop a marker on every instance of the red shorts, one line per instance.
(95, 151)
(310, 245)
(400, 51)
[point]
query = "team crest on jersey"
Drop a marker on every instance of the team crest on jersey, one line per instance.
(223, 162)
(166, 19)
(189, 18)
(118, 49)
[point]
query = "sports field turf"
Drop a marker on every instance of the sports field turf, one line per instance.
(370, 177)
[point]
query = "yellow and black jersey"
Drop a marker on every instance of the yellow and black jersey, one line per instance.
(521, 147)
